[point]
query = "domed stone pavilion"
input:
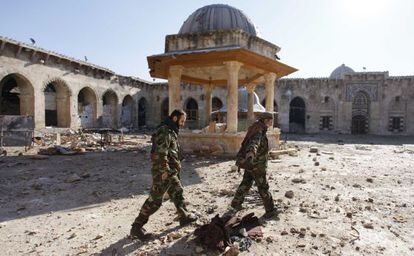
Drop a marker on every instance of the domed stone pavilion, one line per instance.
(218, 46)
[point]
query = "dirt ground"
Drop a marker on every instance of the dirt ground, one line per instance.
(354, 197)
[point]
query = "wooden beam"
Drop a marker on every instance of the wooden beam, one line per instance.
(250, 60)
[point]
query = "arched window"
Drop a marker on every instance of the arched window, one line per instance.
(191, 108)
(216, 104)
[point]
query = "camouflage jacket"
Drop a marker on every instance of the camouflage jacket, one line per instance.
(258, 144)
(166, 152)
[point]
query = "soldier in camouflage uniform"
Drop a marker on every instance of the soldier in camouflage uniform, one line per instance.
(166, 156)
(252, 157)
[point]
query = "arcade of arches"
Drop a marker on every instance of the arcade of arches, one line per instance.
(350, 102)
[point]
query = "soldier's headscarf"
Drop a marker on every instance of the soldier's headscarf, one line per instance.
(171, 124)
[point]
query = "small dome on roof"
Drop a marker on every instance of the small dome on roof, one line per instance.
(217, 17)
(340, 71)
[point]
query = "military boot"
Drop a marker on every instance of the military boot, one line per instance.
(138, 232)
(236, 207)
(187, 219)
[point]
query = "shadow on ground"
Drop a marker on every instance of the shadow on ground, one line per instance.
(31, 187)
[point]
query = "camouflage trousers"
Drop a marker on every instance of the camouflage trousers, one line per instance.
(172, 186)
(258, 175)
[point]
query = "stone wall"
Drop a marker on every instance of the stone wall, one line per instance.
(329, 105)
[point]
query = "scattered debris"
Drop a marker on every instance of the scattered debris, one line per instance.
(368, 225)
(327, 152)
(313, 150)
(98, 237)
(299, 180)
(73, 178)
(289, 194)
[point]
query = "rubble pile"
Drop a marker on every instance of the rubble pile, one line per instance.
(78, 142)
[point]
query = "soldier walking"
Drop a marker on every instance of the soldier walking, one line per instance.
(166, 159)
(252, 157)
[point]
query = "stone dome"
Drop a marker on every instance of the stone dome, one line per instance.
(340, 71)
(217, 17)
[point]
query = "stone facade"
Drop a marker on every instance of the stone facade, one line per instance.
(64, 92)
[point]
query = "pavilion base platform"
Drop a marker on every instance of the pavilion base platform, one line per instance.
(219, 144)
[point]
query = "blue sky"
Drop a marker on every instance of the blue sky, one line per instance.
(315, 36)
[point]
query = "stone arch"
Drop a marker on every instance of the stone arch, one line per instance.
(87, 105)
(297, 115)
(110, 109)
(127, 114)
(57, 103)
(191, 108)
(216, 103)
(164, 108)
(360, 113)
(16, 95)
(142, 112)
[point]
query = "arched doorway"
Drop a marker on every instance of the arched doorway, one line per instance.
(110, 109)
(297, 115)
(360, 113)
(142, 112)
(87, 103)
(57, 104)
(216, 104)
(164, 108)
(127, 111)
(191, 108)
(16, 96)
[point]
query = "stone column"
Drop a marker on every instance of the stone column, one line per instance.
(209, 90)
(233, 68)
(174, 86)
(270, 91)
(250, 102)
(39, 107)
